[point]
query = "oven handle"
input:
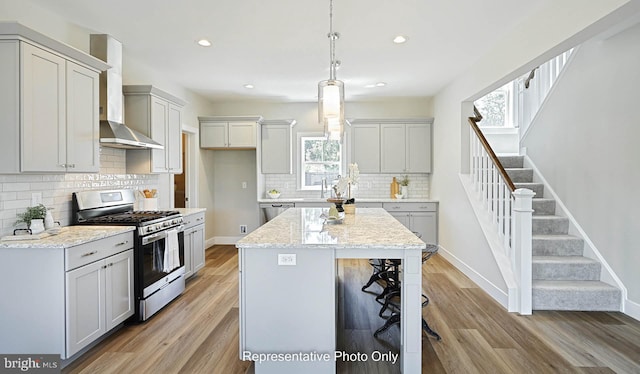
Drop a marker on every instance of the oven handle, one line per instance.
(159, 235)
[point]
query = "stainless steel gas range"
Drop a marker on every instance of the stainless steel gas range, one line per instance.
(159, 244)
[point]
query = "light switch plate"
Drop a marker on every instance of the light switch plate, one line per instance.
(286, 259)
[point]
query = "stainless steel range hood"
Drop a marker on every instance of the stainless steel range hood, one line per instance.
(113, 132)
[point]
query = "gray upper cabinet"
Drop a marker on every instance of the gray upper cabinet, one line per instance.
(365, 147)
(235, 132)
(49, 107)
(158, 115)
(276, 155)
(391, 145)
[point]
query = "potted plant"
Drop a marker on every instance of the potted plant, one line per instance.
(404, 184)
(33, 212)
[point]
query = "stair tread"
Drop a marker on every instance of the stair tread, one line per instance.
(555, 237)
(540, 217)
(564, 260)
(573, 285)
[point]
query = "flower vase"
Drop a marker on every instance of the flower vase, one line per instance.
(405, 192)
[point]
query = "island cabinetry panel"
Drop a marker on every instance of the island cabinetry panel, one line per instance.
(391, 146)
(421, 218)
(67, 297)
(49, 108)
(229, 132)
(158, 115)
(276, 148)
(194, 243)
(294, 302)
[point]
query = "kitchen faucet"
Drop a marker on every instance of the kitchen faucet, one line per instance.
(323, 187)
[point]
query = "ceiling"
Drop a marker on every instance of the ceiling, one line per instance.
(281, 46)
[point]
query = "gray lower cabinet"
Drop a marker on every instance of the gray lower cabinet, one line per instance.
(65, 298)
(194, 244)
(421, 218)
(99, 298)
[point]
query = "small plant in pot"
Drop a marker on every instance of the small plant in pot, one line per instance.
(33, 212)
(404, 184)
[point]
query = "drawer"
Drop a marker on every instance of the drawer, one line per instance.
(97, 250)
(193, 219)
(318, 204)
(368, 205)
(410, 207)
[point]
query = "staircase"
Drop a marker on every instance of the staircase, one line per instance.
(563, 279)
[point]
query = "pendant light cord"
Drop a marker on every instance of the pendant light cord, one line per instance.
(332, 44)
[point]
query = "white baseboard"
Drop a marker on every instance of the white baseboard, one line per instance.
(632, 309)
(224, 240)
(494, 291)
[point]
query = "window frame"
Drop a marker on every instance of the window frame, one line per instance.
(301, 163)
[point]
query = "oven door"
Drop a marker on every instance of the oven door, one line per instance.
(158, 262)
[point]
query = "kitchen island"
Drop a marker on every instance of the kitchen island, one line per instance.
(288, 287)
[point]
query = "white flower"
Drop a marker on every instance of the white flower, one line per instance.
(354, 173)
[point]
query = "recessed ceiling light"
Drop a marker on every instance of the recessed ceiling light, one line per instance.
(249, 86)
(400, 39)
(380, 84)
(370, 86)
(204, 43)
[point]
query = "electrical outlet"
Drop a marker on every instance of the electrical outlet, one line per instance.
(244, 185)
(286, 185)
(243, 229)
(286, 259)
(36, 198)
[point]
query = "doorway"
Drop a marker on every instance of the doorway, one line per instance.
(180, 180)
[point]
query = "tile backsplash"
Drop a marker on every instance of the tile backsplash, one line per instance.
(370, 186)
(16, 189)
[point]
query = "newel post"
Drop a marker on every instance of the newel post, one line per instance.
(522, 253)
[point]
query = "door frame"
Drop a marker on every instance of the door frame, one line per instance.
(191, 165)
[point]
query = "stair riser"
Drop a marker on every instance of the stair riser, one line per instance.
(544, 207)
(570, 272)
(511, 161)
(520, 175)
(544, 226)
(587, 300)
(557, 247)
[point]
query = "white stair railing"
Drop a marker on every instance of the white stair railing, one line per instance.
(510, 208)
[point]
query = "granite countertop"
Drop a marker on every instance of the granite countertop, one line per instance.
(363, 200)
(189, 211)
(68, 237)
(303, 227)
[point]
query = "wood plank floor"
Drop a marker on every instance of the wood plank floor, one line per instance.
(198, 332)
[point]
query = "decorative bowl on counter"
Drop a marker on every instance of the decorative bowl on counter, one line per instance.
(399, 196)
(273, 195)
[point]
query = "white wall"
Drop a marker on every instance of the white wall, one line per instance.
(585, 143)
(545, 34)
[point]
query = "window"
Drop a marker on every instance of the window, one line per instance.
(320, 158)
(497, 107)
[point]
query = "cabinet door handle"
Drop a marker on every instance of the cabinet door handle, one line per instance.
(199, 219)
(71, 165)
(88, 254)
(62, 165)
(122, 243)
(110, 264)
(103, 267)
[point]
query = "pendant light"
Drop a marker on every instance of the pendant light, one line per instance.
(331, 91)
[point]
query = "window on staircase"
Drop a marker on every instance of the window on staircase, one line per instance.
(515, 104)
(498, 107)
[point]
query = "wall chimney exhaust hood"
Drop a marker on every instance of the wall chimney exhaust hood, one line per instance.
(113, 132)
